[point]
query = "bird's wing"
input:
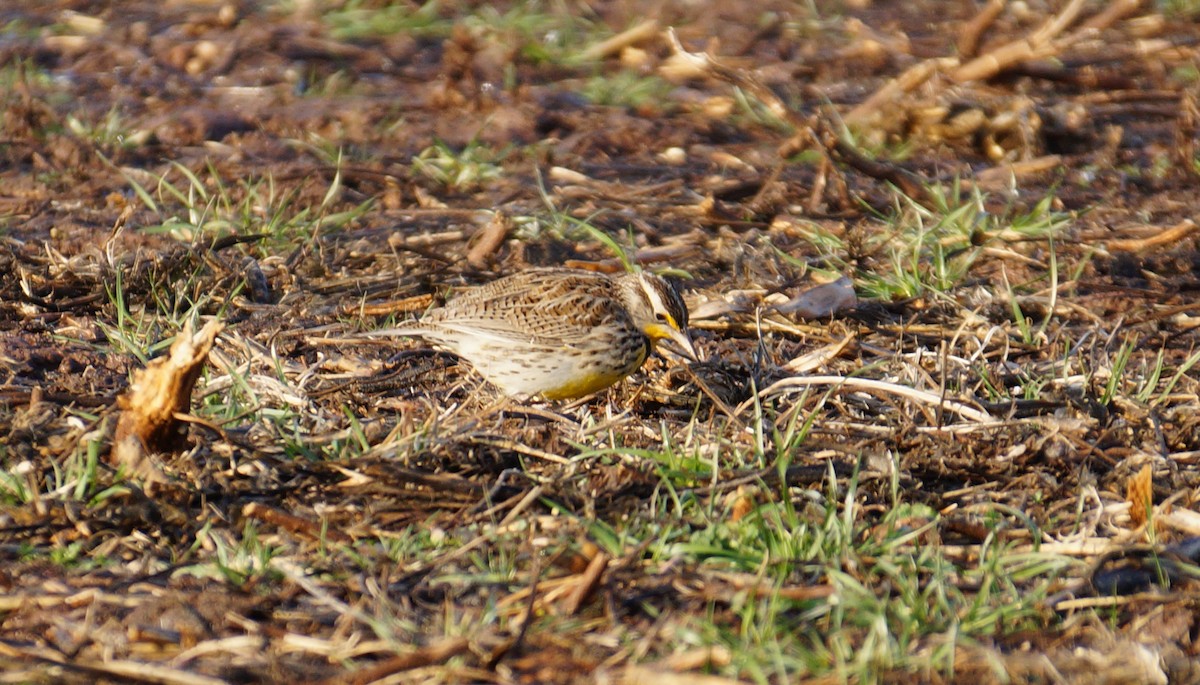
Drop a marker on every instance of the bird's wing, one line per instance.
(540, 306)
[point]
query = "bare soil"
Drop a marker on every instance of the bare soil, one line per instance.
(383, 441)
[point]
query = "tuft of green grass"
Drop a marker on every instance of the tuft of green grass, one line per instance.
(545, 32)
(236, 559)
(416, 543)
(16, 484)
(132, 331)
(1179, 9)
(360, 19)
(112, 132)
(1179, 374)
(1116, 374)
(22, 70)
(1141, 375)
(931, 250)
(464, 170)
(76, 478)
(192, 208)
(898, 599)
(539, 32)
(562, 225)
(626, 88)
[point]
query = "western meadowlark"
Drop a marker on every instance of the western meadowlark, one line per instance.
(558, 333)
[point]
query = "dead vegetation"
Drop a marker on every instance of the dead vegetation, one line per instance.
(941, 263)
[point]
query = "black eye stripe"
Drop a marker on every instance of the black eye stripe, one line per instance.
(667, 293)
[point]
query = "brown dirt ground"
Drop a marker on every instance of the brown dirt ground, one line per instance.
(235, 92)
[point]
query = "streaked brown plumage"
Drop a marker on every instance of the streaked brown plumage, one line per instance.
(558, 333)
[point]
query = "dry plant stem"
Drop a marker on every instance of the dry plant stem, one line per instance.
(544, 591)
(959, 408)
(407, 305)
(1058, 23)
(996, 177)
(1129, 95)
(1040, 43)
(1166, 238)
(1076, 73)
(527, 501)
(701, 657)
(843, 151)
(298, 576)
(1184, 520)
(646, 675)
(706, 63)
(1116, 11)
(674, 252)
(1109, 602)
(525, 620)
(159, 394)
(1187, 130)
(588, 581)
(968, 39)
(519, 500)
(293, 523)
(488, 240)
(910, 80)
(397, 240)
(734, 583)
(122, 670)
(426, 656)
(1044, 42)
(118, 227)
(421, 568)
(248, 644)
(817, 193)
(824, 134)
(514, 446)
(139, 672)
(708, 392)
(819, 357)
(611, 46)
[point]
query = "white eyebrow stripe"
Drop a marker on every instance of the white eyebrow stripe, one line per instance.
(652, 294)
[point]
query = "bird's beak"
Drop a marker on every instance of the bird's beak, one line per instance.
(680, 338)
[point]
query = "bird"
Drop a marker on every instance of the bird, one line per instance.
(557, 333)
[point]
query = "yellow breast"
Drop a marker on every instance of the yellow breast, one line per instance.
(584, 383)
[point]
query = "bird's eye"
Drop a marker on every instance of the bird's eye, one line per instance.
(664, 317)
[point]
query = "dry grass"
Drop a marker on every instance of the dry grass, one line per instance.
(945, 429)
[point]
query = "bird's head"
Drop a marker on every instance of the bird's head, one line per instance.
(658, 309)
